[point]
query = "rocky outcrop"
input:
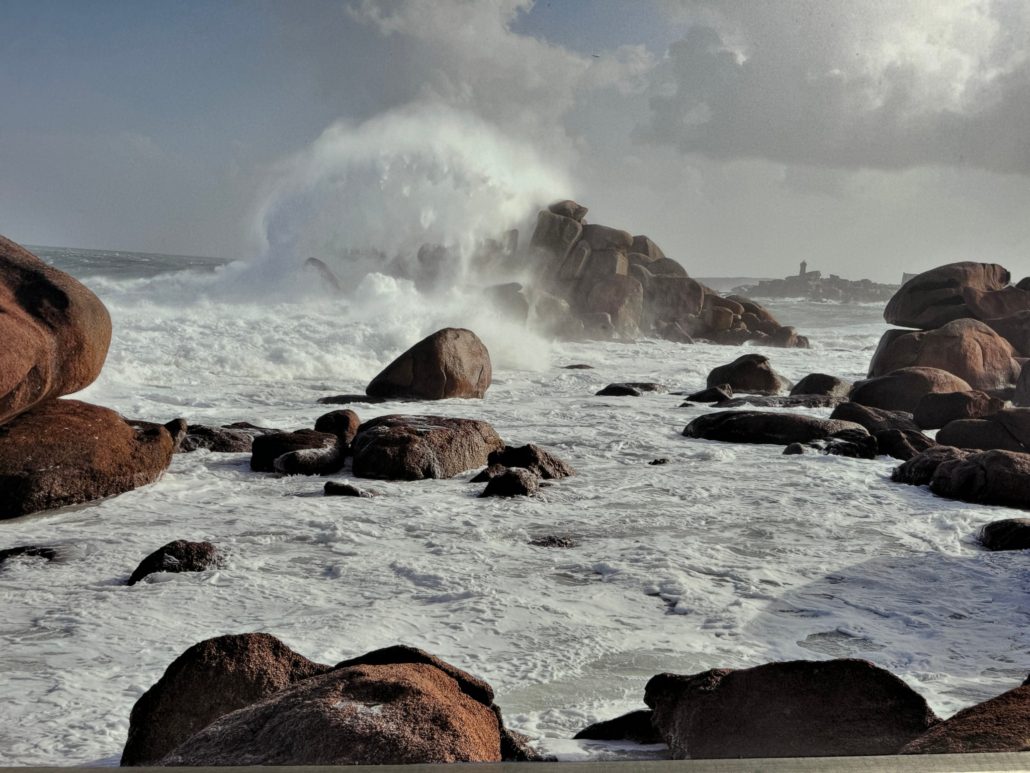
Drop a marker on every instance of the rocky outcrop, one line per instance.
(765, 427)
(65, 452)
(750, 373)
(1022, 393)
(936, 297)
(1015, 329)
(630, 389)
(399, 447)
(1001, 724)
(1007, 534)
(342, 423)
(822, 384)
(874, 419)
(966, 348)
(988, 477)
(1007, 429)
(794, 709)
(512, 482)
(919, 470)
(532, 457)
(902, 389)
(305, 448)
(55, 332)
(996, 304)
(815, 287)
(935, 410)
(452, 362)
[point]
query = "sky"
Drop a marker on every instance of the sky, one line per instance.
(865, 137)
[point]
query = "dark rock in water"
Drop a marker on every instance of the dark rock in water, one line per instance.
(635, 726)
(532, 457)
(935, 297)
(552, 541)
(28, 551)
(312, 461)
(903, 389)
(749, 373)
(178, 556)
(662, 460)
(266, 449)
(1022, 393)
(826, 708)
(935, 410)
(578, 366)
(209, 680)
(630, 389)
(350, 399)
(794, 449)
(874, 419)
(1007, 429)
(65, 452)
(714, 394)
(988, 477)
(452, 362)
(399, 447)
(854, 443)
(490, 472)
(764, 427)
(787, 337)
(1007, 534)
(783, 401)
(919, 470)
(569, 208)
(902, 444)
(334, 488)
(997, 725)
(822, 384)
(342, 423)
(225, 439)
(513, 482)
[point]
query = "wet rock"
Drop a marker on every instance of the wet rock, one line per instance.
(178, 556)
(796, 709)
(1007, 534)
(903, 389)
(874, 419)
(1015, 329)
(987, 477)
(209, 680)
(635, 726)
(994, 304)
(935, 410)
(512, 482)
(224, 439)
(555, 234)
(851, 443)
(902, 444)
(55, 332)
(508, 300)
(342, 423)
(552, 541)
(569, 208)
(601, 237)
(28, 551)
(452, 362)
(787, 337)
(597, 326)
(1008, 429)
(749, 373)
(351, 399)
(660, 460)
(1022, 394)
(642, 245)
(764, 427)
(822, 384)
(400, 447)
(622, 299)
(65, 452)
(919, 470)
(714, 394)
(578, 366)
(935, 297)
(630, 389)
(532, 457)
(334, 488)
(997, 725)
(783, 401)
(672, 301)
(266, 449)
(794, 449)
(487, 474)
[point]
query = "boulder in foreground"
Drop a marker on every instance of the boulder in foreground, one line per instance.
(795, 709)
(452, 362)
(66, 452)
(1001, 724)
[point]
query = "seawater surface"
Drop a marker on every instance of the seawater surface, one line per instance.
(726, 556)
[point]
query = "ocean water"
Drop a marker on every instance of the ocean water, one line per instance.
(726, 556)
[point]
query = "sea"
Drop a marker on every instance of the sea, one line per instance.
(726, 556)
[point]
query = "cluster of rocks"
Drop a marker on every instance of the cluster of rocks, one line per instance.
(603, 282)
(813, 286)
(56, 452)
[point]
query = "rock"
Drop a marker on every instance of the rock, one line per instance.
(713, 298)
(764, 427)
(452, 362)
(578, 366)
(601, 237)
(935, 297)
(1022, 394)
(794, 449)
(659, 460)
(667, 267)
(342, 423)
(644, 246)
(575, 263)
(532, 457)
(266, 449)
(553, 316)
(209, 680)
(600, 266)
(630, 389)
(513, 482)
(1007, 534)
(1015, 329)
(749, 373)
(822, 384)
(851, 443)
(555, 234)
(349, 399)
(919, 470)
(28, 551)
(874, 419)
(782, 401)
(334, 488)
(66, 452)
(569, 208)
(988, 477)
(935, 410)
(1007, 429)
(622, 299)
(902, 389)
(672, 300)
(55, 332)
(489, 473)
(787, 337)
(552, 541)
(598, 326)
(716, 318)
(902, 444)
(997, 725)
(220, 439)
(966, 348)
(758, 310)
(635, 726)
(992, 304)
(507, 299)
(796, 709)
(399, 447)
(712, 394)
(178, 556)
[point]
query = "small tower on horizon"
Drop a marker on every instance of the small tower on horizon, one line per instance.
(804, 266)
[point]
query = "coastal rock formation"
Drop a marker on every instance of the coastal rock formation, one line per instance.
(1001, 724)
(996, 304)
(750, 373)
(342, 423)
(65, 452)
(822, 384)
(452, 362)
(55, 332)
(988, 477)
(1015, 329)
(1008, 429)
(901, 390)
(1022, 394)
(635, 726)
(937, 297)
(919, 470)
(795, 709)
(209, 680)
(532, 457)
(231, 438)
(1007, 534)
(765, 427)
(935, 410)
(815, 287)
(399, 447)
(966, 348)
(266, 449)
(177, 556)
(512, 482)
(874, 419)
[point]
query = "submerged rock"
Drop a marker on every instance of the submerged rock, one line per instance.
(29, 551)
(267, 449)
(532, 457)
(1007, 534)
(238, 438)
(630, 389)
(177, 556)
(919, 470)
(334, 488)
(989, 477)
(764, 427)
(713, 394)
(343, 423)
(512, 482)
(452, 362)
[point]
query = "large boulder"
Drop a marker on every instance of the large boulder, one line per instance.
(935, 297)
(1007, 534)
(935, 410)
(1001, 724)
(765, 427)
(795, 709)
(622, 298)
(1007, 429)
(991, 304)
(267, 449)
(399, 447)
(452, 362)
(965, 347)
(988, 477)
(65, 452)
(902, 389)
(874, 419)
(569, 208)
(670, 300)
(1022, 394)
(209, 680)
(919, 469)
(601, 237)
(1015, 329)
(178, 556)
(822, 384)
(532, 457)
(555, 234)
(750, 373)
(55, 332)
